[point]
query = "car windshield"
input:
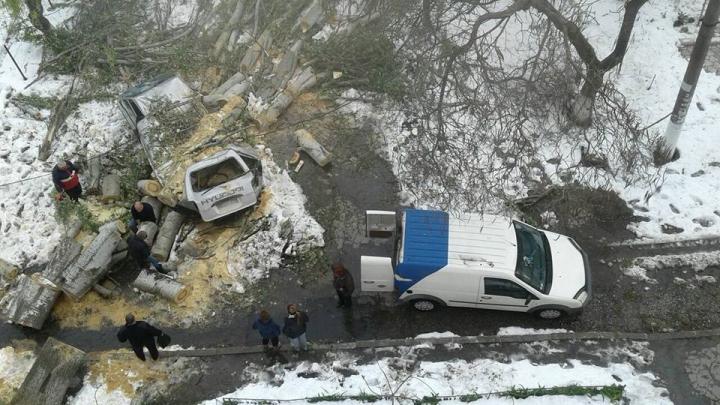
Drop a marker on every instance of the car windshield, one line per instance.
(212, 176)
(533, 264)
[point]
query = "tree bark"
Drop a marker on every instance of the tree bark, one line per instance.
(229, 27)
(151, 229)
(166, 236)
(111, 188)
(156, 204)
(117, 226)
(225, 86)
(163, 286)
(91, 266)
(93, 175)
(311, 15)
(31, 304)
(49, 378)
(255, 52)
(149, 187)
(8, 270)
(37, 18)
(310, 145)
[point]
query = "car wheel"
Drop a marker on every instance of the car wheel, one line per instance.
(550, 313)
(424, 305)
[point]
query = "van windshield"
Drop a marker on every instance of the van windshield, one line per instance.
(534, 265)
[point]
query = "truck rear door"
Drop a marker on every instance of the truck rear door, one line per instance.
(376, 274)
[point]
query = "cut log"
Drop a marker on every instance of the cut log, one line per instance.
(151, 229)
(118, 257)
(233, 80)
(91, 266)
(155, 283)
(219, 100)
(33, 301)
(8, 270)
(307, 142)
(167, 197)
(286, 68)
(117, 226)
(156, 204)
(149, 187)
(111, 188)
(255, 52)
(229, 27)
(305, 80)
(50, 375)
(63, 256)
(73, 229)
(93, 173)
(311, 15)
(104, 292)
(166, 236)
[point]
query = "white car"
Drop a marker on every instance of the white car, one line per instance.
(477, 261)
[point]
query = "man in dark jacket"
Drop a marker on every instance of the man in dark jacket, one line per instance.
(66, 179)
(140, 334)
(140, 251)
(141, 212)
(269, 330)
(344, 285)
(295, 327)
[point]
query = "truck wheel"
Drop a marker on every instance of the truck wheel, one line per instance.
(424, 305)
(550, 313)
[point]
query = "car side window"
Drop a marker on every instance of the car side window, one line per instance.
(505, 288)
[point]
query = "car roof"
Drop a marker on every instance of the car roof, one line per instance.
(435, 239)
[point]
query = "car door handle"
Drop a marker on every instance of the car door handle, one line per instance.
(485, 297)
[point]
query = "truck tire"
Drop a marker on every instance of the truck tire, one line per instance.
(424, 305)
(550, 313)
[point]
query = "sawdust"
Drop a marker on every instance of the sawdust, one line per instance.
(121, 370)
(103, 213)
(15, 363)
(94, 311)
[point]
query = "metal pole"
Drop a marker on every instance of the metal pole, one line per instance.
(692, 73)
(16, 65)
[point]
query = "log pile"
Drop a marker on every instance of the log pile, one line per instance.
(50, 375)
(158, 284)
(166, 236)
(266, 116)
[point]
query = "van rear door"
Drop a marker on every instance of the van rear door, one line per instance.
(376, 274)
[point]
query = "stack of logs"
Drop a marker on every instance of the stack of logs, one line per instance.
(74, 271)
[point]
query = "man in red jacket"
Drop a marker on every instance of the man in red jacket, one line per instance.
(65, 177)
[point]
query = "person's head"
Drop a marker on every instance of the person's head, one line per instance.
(129, 319)
(292, 309)
(142, 235)
(138, 206)
(339, 270)
(62, 164)
(264, 316)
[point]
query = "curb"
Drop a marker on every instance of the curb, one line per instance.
(370, 344)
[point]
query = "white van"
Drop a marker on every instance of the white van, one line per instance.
(477, 261)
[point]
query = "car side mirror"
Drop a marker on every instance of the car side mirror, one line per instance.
(528, 299)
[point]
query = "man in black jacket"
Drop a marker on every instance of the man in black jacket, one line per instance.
(141, 212)
(140, 334)
(140, 251)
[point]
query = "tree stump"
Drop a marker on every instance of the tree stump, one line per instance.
(156, 204)
(111, 188)
(155, 283)
(166, 236)
(8, 270)
(91, 266)
(151, 229)
(50, 375)
(149, 187)
(310, 145)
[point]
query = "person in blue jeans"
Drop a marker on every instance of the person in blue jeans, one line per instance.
(140, 251)
(268, 329)
(295, 328)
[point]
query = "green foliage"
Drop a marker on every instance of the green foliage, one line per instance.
(172, 125)
(428, 400)
(612, 392)
(340, 398)
(367, 60)
(67, 210)
(14, 6)
(42, 103)
(313, 263)
(136, 169)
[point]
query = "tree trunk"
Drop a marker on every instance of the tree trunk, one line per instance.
(31, 304)
(307, 142)
(582, 108)
(91, 266)
(163, 286)
(63, 256)
(59, 115)
(233, 80)
(117, 226)
(74, 228)
(255, 52)
(284, 70)
(305, 80)
(149, 188)
(229, 27)
(50, 375)
(93, 175)
(156, 204)
(151, 229)
(7, 270)
(219, 100)
(311, 15)
(37, 18)
(166, 236)
(111, 188)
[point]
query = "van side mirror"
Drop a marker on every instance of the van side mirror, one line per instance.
(529, 298)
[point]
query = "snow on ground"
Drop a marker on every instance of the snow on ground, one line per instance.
(449, 378)
(14, 366)
(435, 335)
(696, 262)
(514, 330)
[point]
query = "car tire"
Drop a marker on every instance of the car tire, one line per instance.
(550, 313)
(424, 305)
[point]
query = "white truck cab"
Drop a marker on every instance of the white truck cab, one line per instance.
(478, 261)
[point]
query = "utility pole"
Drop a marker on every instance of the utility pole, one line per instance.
(692, 73)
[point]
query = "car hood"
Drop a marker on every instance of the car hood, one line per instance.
(567, 265)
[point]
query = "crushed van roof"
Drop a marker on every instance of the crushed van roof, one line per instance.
(434, 239)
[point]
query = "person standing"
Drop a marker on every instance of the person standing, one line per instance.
(295, 328)
(141, 212)
(140, 251)
(66, 179)
(140, 334)
(344, 285)
(268, 329)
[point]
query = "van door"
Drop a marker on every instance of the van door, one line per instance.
(505, 295)
(376, 274)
